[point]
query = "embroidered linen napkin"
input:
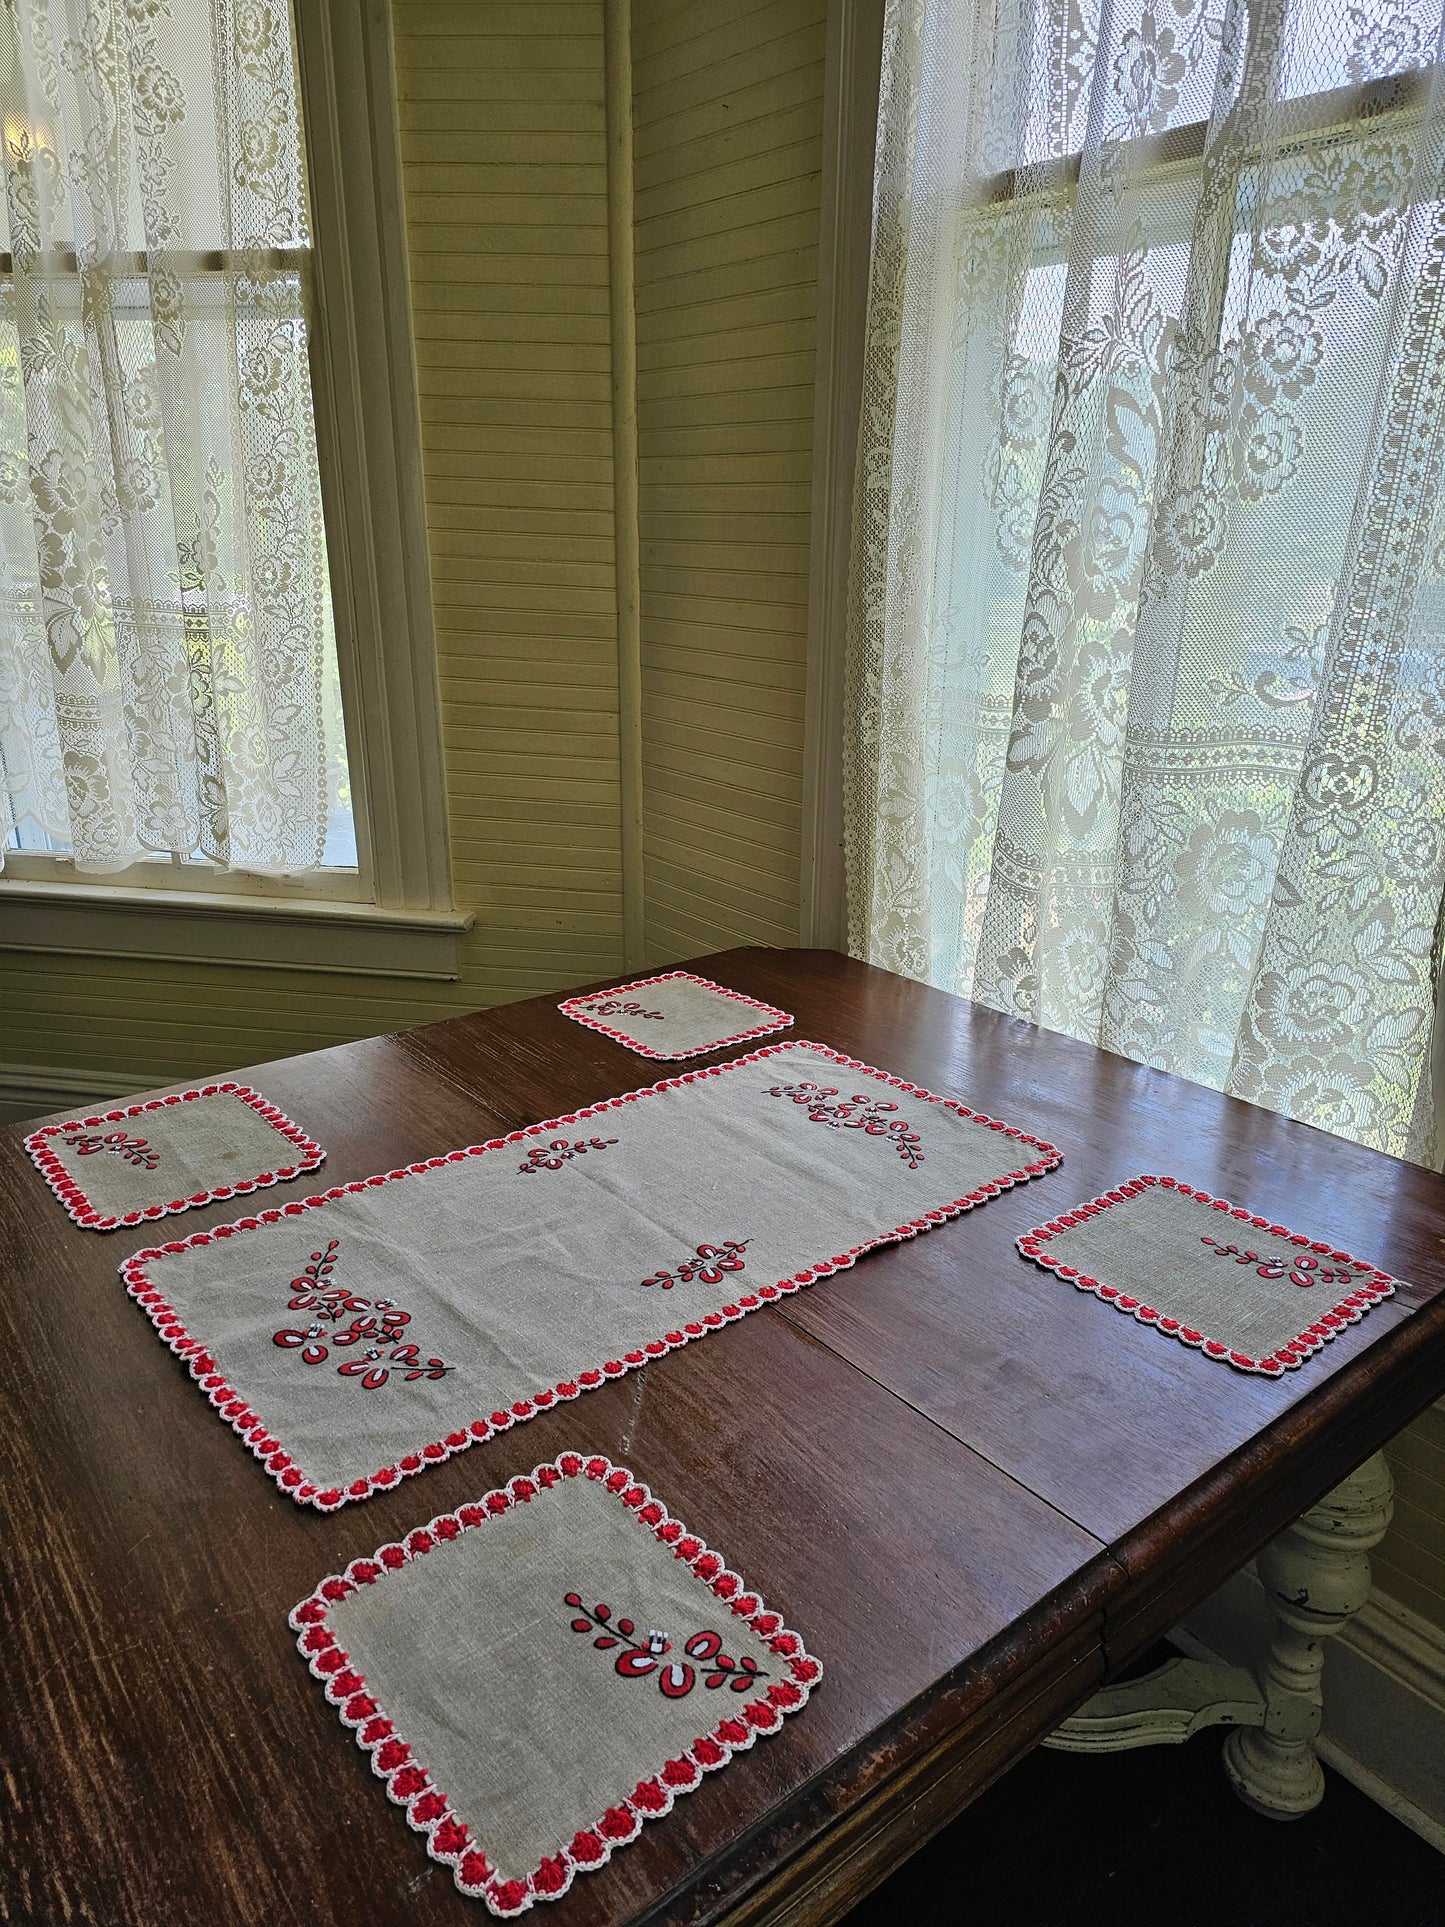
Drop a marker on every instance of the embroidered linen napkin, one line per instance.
(1212, 1274)
(146, 1161)
(675, 1015)
(536, 1674)
(371, 1331)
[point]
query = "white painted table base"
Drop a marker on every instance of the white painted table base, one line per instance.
(1316, 1576)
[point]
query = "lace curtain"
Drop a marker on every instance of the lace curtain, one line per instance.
(165, 624)
(1146, 664)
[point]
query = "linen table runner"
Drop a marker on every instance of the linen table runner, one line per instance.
(145, 1161)
(536, 1674)
(675, 1015)
(368, 1332)
(1212, 1274)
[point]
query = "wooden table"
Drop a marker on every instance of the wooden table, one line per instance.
(973, 1489)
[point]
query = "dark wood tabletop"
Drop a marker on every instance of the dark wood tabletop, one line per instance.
(974, 1490)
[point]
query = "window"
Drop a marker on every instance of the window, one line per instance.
(1146, 709)
(1294, 335)
(205, 390)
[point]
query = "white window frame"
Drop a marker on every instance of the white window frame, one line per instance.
(395, 914)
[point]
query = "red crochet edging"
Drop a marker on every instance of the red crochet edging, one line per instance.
(777, 1019)
(252, 1429)
(83, 1212)
(1287, 1358)
(428, 1808)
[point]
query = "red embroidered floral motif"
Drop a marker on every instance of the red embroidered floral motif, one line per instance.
(1304, 1270)
(551, 1157)
(620, 1010)
(707, 1267)
(378, 1320)
(643, 1656)
(135, 1150)
(857, 1113)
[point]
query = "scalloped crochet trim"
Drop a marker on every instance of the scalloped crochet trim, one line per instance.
(80, 1208)
(255, 1433)
(775, 1019)
(428, 1807)
(1374, 1286)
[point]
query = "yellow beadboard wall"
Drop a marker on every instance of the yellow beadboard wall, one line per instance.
(727, 137)
(503, 131)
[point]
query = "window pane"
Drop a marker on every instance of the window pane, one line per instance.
(168, 670)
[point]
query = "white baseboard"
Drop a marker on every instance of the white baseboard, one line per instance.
(1384, 1684)
(35, 1090)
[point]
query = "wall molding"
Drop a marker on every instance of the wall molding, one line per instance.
(37, 1090)
(268, 933)
(1384, 1686)
(850, 130)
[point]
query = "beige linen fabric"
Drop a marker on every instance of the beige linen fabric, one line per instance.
(526, 1727)
(676, 1015)
(519, 1280)
(201, 1144)
(1167, 1249)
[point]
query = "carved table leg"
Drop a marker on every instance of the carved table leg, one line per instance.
(1317, 1576)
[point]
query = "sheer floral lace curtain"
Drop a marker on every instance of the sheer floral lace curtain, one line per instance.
(1146, 668)
(164, 605)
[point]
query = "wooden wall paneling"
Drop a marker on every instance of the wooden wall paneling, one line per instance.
(727, 128)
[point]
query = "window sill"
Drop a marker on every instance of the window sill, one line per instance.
(359, 939)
